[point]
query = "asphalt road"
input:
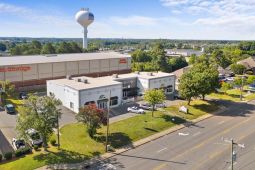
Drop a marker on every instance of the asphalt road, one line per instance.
(199, 146)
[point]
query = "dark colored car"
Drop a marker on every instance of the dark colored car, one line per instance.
(23, 95)
(9, 108)
(18, 143)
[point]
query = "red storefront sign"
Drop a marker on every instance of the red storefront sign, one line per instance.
(15, 69)
(123, 61)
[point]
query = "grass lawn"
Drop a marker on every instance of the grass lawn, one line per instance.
(233, 95)
(197, 108)
(77, 145)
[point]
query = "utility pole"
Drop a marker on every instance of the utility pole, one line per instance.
(233, 153)
(107, 128)
(241, 90)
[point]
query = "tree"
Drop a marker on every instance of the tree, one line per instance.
(219, 58)
(92, 117)
(75, 48)
(225, 87)
(64, 47)
(177, 63)
(237, 68)
(7, 90)
(251, 79)
(206, 77)
(187, 86)
(48, 49)
(239, 82)
(3, 47)
(41, 114)
(154, 97)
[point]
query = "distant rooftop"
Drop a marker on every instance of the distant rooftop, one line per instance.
(37, 59)
(145, 75)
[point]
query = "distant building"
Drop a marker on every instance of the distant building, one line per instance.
(249, 64)
(79, 91)
(179, 73)
(182, 52)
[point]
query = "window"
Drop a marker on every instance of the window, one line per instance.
(71, 105)
(113, 101)
(169, 89)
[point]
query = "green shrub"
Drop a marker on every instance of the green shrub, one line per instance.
(1, 157)
(36, 147)
(22, 151)
(8, 155)
(53, 142)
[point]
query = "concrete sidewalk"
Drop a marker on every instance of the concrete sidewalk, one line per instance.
(82, 165)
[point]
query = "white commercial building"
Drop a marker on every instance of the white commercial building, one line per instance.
(79, 91)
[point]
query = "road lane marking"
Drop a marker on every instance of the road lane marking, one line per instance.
(161, 150)
(221, 122)
(218, 143)
(213, 155)
(210, 138)
(183, 134)
(160, 166)
(196, 134)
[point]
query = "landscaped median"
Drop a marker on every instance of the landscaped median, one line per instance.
(78, 146)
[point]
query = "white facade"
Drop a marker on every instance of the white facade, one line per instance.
(75, 93)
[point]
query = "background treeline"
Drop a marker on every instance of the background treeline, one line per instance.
(155, 59)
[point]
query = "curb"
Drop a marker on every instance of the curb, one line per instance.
(138, 143)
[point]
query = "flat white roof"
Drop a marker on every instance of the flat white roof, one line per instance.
(37, 59)
(105, 81)
(145, 75)
(92, 82)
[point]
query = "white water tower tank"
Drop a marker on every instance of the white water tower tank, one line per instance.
(84, 18)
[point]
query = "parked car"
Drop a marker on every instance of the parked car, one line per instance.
(230, 79)
(18, 143)
(135, 109)
(160, 105)
(145, 106)
(9, 108)
(23, 95)
(34, 137)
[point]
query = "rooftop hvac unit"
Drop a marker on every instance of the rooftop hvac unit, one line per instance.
(84, 80)
(115, 75)
(150, 74)
(51, 55)
(68, 77)
(78, 79)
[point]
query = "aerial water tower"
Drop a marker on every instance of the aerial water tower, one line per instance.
(84, 18)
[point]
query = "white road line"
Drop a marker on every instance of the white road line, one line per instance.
(183, 134)
(161, 150)
(221, 122)
(196, 134)
(220, 143)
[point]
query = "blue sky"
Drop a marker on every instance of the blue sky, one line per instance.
(173, 19)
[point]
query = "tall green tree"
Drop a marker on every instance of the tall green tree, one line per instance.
(64, 47)
(219, 58)
(225, 87)
(92, 117)
(177, 63)
(7, 89)
(48, 48)
(39, 113)
(154, 97)
(238, 68)
(2, 47)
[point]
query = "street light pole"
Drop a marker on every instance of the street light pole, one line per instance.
(107, 128)
(232, 151)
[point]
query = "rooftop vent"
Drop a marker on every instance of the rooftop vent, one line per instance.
(115, 75)
(68, 77)
(137, 72)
